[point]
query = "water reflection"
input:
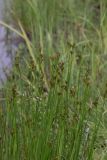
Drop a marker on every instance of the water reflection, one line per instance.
(5, 51)
(5, 60)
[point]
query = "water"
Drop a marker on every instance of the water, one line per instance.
(5, 49)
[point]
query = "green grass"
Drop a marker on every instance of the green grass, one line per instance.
(55, 100)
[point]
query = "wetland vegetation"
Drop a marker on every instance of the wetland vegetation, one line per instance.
(54, 104)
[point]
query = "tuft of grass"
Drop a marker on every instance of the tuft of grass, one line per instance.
(55, 98)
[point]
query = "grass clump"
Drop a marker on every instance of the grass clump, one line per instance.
(55, 99)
